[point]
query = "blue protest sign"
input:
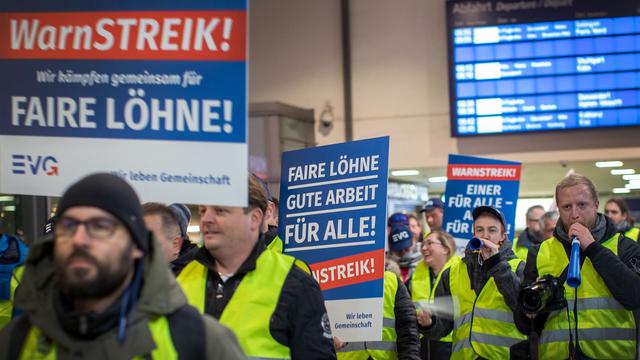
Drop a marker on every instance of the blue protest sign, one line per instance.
(152, 91)
(473, 182)
(332, 215)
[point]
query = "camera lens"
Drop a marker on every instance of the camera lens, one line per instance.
(531, 300)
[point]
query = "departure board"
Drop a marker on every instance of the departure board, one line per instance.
(526, 66)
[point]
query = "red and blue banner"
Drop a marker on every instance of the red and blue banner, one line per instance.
(333, 216)
(155, 92)
(473, 182)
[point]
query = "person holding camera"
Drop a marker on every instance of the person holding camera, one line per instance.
(594, 320)
(484, 288)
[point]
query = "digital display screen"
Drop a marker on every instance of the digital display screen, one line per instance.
(524, 66)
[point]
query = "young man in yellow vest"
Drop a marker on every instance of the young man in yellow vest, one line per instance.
(608, 293)
(476, 297)
(273, 306)
(100, 288)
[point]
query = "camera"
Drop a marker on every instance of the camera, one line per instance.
(545, 295)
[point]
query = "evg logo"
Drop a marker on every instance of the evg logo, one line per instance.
(46, 164)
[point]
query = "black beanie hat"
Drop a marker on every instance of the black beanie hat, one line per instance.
(113, 195)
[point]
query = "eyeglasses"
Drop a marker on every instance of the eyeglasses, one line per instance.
(97, 228)
(431, 243)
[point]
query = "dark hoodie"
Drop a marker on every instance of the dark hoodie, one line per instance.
(620, 273)
(497, 266)
(42, 303)
(188, 252)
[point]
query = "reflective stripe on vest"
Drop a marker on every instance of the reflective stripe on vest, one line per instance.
(633, 233)
(486, 330)
(371, 345)
(6, 307)
(385, 349)
(606, 330)
(589, 334)
(494, 340)
(260, 290)
(37, 346)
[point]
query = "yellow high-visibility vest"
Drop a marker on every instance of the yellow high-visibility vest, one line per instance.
(37, 346)
(386, 348)
(421, 289)
(248, 312)
(633, 233)
(606, 330)
(6, 306)
(521, 251)
(483, 325)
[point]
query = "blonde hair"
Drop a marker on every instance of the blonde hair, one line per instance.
(577, 179)
(446, 240)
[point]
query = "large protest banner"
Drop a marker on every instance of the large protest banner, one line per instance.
(333, 216)
(473, 182)
(153, 91)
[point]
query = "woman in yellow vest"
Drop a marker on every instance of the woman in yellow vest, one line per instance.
(618, 211)
(476, 297)
(439, 253)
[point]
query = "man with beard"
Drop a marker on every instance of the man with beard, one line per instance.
(596, 319)
(100, 288)
(273, 305)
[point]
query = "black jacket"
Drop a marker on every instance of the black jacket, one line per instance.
(187, 254)
(528, 239)
(407, 342)
(621, 273)
(300, 320)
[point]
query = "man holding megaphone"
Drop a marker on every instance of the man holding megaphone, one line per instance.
(476, 297)
(606, 287)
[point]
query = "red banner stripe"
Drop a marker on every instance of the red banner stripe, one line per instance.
(483, 172)
(349, 270)
(131, 35)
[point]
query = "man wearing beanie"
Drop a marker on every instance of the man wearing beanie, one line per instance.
(99, 288)
(273, 306)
